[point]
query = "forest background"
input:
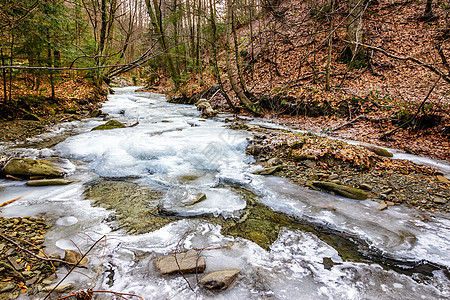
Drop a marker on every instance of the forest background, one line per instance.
(376, 71)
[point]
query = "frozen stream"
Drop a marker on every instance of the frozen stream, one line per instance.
(175, 152)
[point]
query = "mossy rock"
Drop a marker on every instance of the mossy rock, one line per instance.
(32, 167)
(346, 191)
(111, 124)
(380, 151)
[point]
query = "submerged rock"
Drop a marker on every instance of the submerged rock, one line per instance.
(33, 167)
(185, 262)
(111, 124)
(220, 280)
(46, 182)
(342, 190)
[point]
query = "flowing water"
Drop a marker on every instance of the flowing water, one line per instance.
(137, 185)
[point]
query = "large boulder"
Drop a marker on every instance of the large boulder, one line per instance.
(111, 124)
(185, 262)
(220, 280)
(33, 167)
(342, 190)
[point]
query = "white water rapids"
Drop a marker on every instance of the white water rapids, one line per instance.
(171, 142)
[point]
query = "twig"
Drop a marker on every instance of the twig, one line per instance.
(73, 268)
(11, 201)
(37, 256)
(88, 293)
(350, 122)
(415, 115)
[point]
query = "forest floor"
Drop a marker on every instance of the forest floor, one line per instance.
(30, 113)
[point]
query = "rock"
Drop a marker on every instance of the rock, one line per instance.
(199, 198)
(205, 107)
(268, 171)
(274, 162)
(95, 113)
(111, 124)
(45, 182)
(387, 191)
(342, 190)
(366, 187)
(380, 151)
(6, 287)
(220, 280)
(74, 256)
(389, 203)
(185, 262)
(32, 167)
(442, 179)
(333, 177)
(382, 206)
(254, 150)
(309, 163)
(439, 200)
(383, 196)
(59, 288)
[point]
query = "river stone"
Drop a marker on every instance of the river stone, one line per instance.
(111, 124)
(33, 167)
(6, 287)
(268, 171)
(309, 163)
(366, 187)
(383, 205)
(380, 151)
(74, 256)
(220, 280)
(342, 190)
(442, 178)
(199, 198)
(254, 150)
(274, 161)
(45, 182)
(439, 200)
(185, 262)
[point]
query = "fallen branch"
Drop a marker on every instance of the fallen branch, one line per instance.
(87, 294)
(2, 235)
(384, 136)
(350, 122)
(405, 58)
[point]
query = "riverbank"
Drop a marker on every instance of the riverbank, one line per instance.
(310, 160)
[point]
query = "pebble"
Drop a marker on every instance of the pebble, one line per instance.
(382, 206)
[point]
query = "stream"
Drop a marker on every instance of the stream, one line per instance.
(137, 185)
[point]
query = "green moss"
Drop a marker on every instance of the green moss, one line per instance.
(111, 124)
(136, 206)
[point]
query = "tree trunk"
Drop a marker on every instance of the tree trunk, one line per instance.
(355, 30)
(157, 22)
(330, 46)
(214, 49)
(428, 10)
(252, 107)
